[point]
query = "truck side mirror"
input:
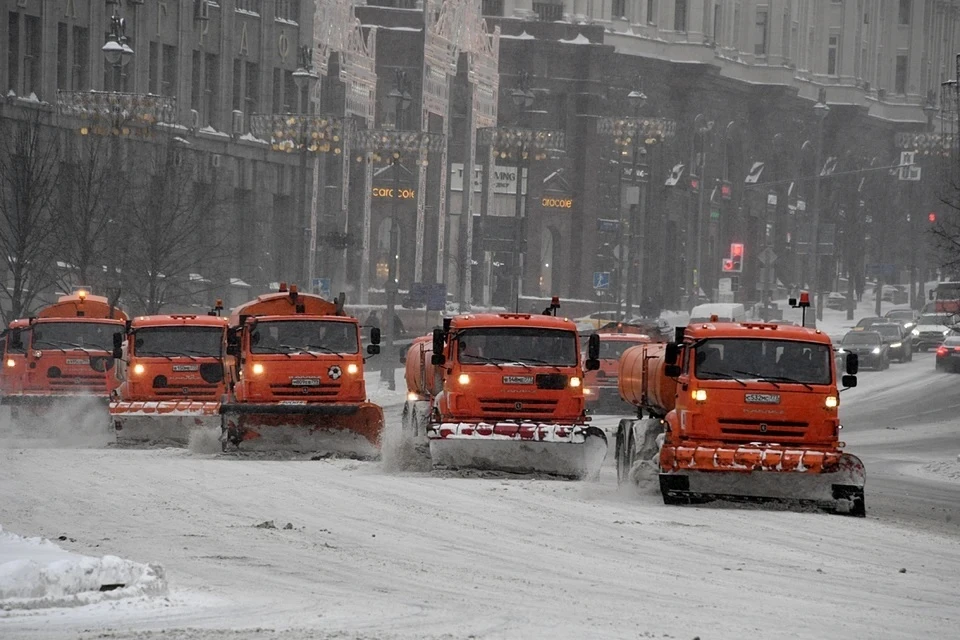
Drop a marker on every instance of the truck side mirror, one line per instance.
(438, 359)
(233, 343)
(117, 346)
(853, 366)
(671, 353)
(848, 381)
(375, 336)
(592, 362)
(373, 349)
(678, 334)
(671, 370)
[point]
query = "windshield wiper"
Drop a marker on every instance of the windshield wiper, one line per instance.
(720, 375)
(771, 379)
(543, 362)
(293, 349)
(55, 343)
(279, 349)
(758, 376)
(483, 359)
(324, 349)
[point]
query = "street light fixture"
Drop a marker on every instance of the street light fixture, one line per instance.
(820, 110)
(637, 99)
(116, 49)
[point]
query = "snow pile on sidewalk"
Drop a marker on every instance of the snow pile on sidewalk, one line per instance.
(35, 573)
(943, 469)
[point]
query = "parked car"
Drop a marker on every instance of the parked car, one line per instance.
(866, 322)
(932, 329)
(836, 301)
(870, 348)
(897, 294)
(948, 355)
(906, 317)
(897, 339)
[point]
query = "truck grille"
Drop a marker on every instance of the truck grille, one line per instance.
(290, 392)
(517, 408)
(95, 382)
(199, 391)
(750, 430)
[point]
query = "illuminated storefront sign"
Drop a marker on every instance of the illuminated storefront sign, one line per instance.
(550, 202)
(388, 192)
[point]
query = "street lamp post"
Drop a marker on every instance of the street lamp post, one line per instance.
(701, 128)
(523, 99)
(304, 77)
(401, 101)
(637, 100)
(116, 50)
(821, 110)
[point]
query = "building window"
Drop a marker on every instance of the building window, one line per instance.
(250, 6)
(760, 43)
(168, 78)
(906, 7)
(651, 11)
(153, 86)
(252, 97)
(81, 72)
(237, 83)
(492, 8)
(548, 11)
(277, 91)
(13, 51)
(289, 93)
(717, 21)
(618, 9)
(211, 86)
(901, 79)
(31, 59)
(833, 56)
(680, 15)
(736, 27)
(288, 10)
(196, 88)
(63, 55)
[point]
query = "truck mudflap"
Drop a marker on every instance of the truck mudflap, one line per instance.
(833, 481)
(162, 422)
(320, 429)
(570, 451)
(74, 420)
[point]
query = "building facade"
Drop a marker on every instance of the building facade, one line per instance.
(745, 158)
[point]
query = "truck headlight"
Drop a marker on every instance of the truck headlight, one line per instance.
(11, 362)
(464, 379)
(700, 395)
(352, 368)
(574, 382)
(257, 369)
(138, 369)
(831, 402)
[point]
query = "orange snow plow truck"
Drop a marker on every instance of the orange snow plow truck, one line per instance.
(739, 411)
(295, 379)
(502, 392)
(171, 368)
(62, 362)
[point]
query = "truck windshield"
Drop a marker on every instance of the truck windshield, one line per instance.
(91, 336)
(202, 342)
(613, 349)
(295, 336)
(529, 345)
(776, 360)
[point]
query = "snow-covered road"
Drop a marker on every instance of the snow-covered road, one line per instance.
(373, 555)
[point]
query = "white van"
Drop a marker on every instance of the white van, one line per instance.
(725, 312)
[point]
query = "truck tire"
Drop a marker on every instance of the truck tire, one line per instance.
(624, 451)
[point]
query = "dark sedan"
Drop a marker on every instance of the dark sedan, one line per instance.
(948, 355)
(869, 346)
(898, 340)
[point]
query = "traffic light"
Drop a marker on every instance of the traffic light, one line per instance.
(727, 265)
(694, 184)
(726, 190)
(736, 257)
(932, 217)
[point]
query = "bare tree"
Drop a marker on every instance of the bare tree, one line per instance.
(93, 190)
(169, 229)
(29, 163)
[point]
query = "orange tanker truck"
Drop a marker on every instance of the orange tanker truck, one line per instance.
(742, 411)
(295, 378)
(172, 372)
(502, 392)
(67, 363)
(600, 386)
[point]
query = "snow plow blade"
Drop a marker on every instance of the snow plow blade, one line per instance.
(832, 481)
(323, 429)
(570, 451)
(71, 420)
(167, 422)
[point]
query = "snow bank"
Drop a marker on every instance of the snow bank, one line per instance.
(35, 573)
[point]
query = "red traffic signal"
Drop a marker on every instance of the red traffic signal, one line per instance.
(932, 217)
(694, 183)
(736, 249)
(726, 191)
(727, 265)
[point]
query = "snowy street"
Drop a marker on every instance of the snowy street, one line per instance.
(372, 555)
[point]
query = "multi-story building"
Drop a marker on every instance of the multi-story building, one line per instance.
(738, 80)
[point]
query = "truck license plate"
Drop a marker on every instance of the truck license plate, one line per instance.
(517, 379)
(78, 361)
(293, 402)
(306, 382)
(762, 398)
